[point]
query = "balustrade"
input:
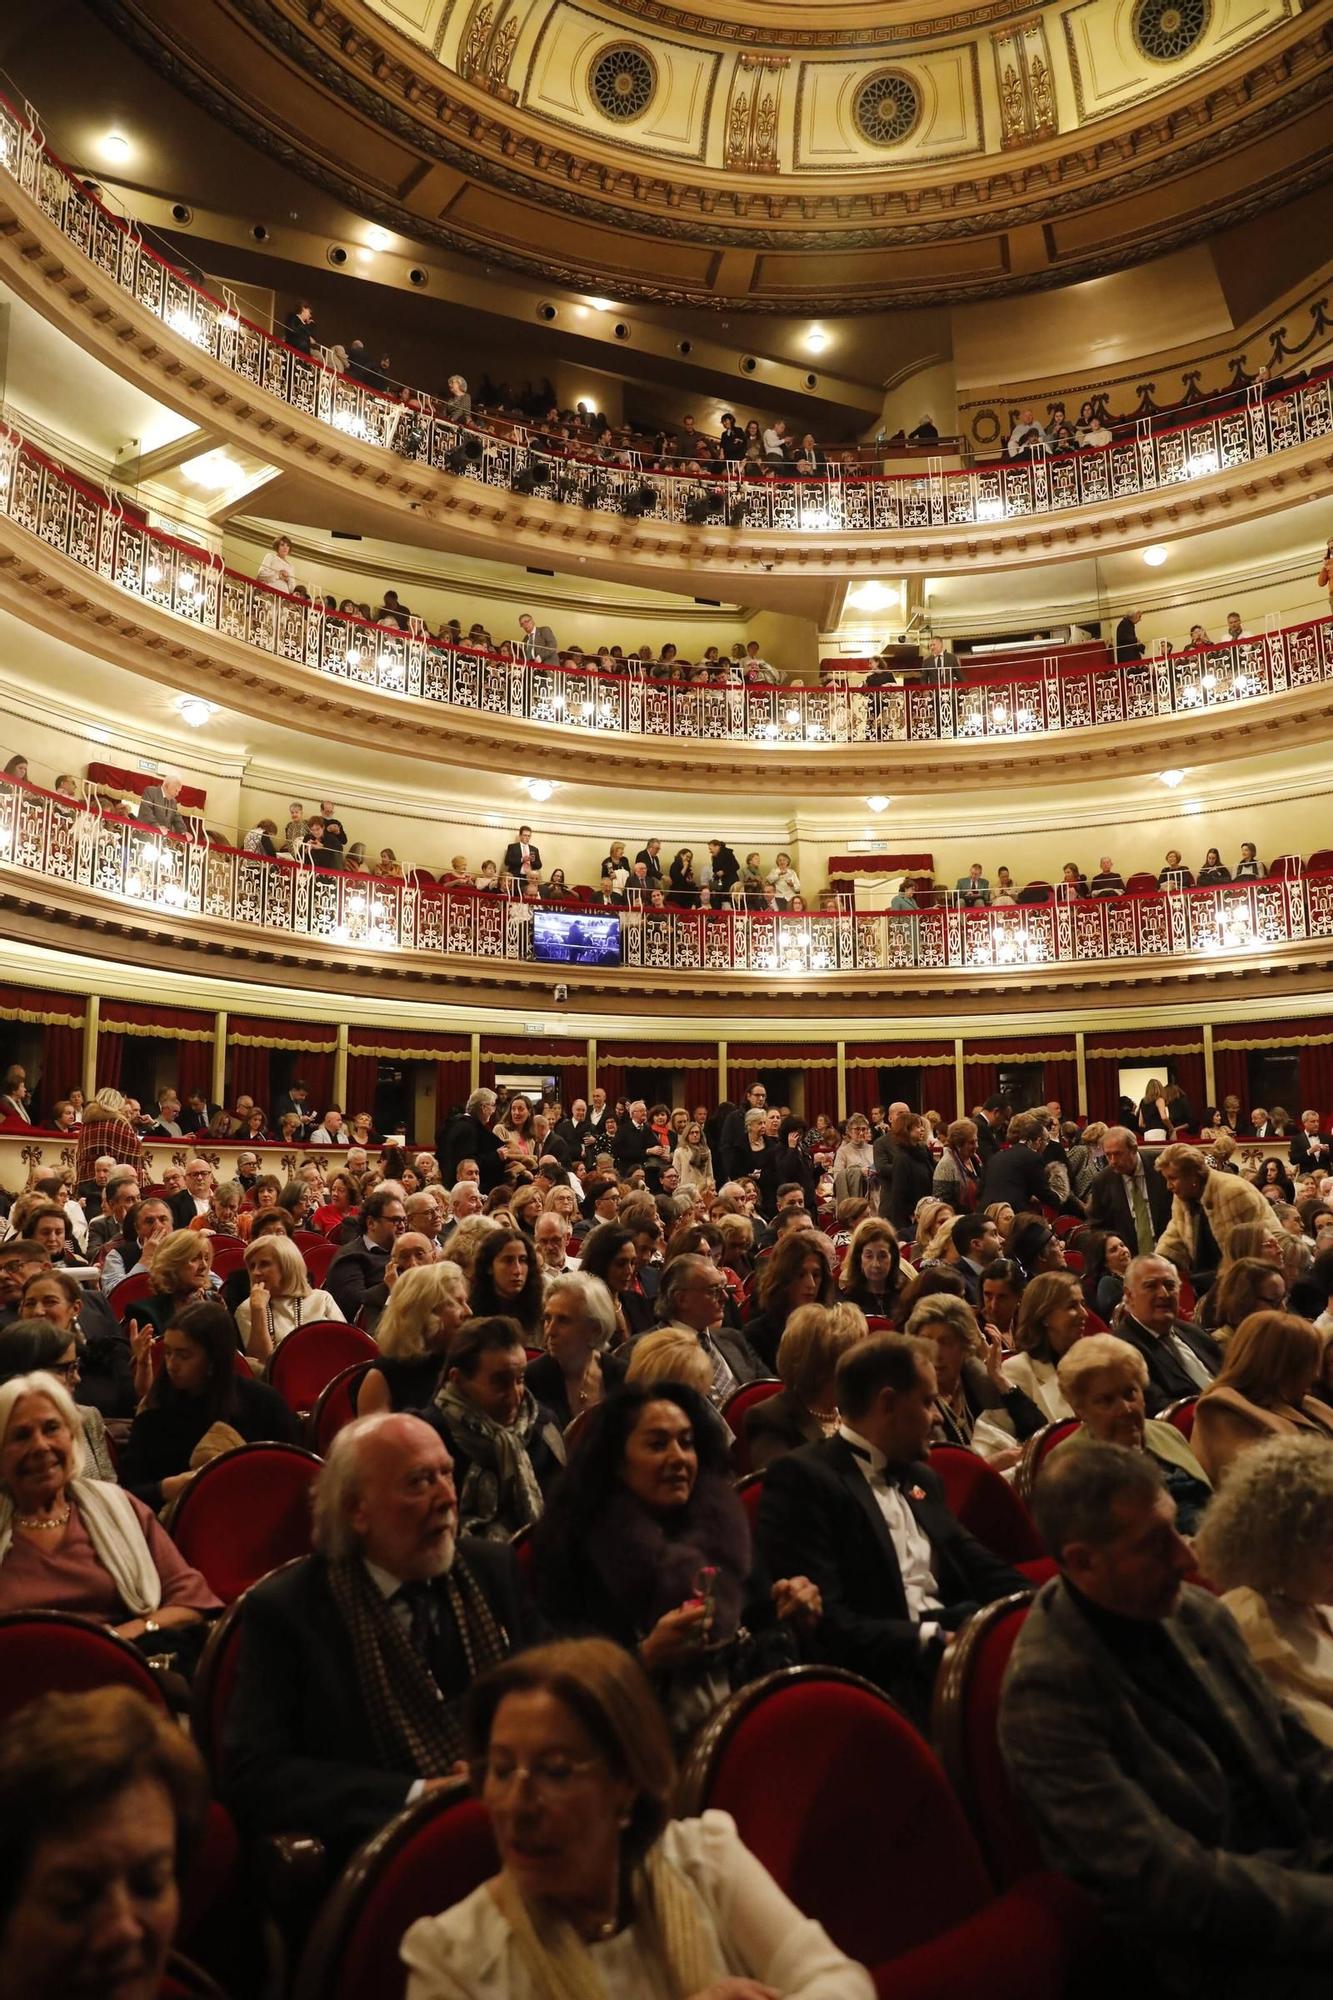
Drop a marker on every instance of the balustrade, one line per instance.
(46, 837)
(1271, 420)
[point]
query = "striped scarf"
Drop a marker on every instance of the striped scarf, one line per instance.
(669, 1918)
(413, 1725)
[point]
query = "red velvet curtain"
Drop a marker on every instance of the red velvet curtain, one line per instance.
(980, 1081)
(194, 1067)
(1317, 1081)
(1061, 1084)
(452, 1086)
(862, 1087)
(1104, 1088)
(62, 1065)
(362, 1076)
(317, 1070)
(939, 1091)
(110, 1057)
(1231, 1075)
(821, 1093)
(611, 1079)
(248, 1074)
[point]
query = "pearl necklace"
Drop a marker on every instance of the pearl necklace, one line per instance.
(34, 1521)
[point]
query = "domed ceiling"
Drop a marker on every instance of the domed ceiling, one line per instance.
(830, 156)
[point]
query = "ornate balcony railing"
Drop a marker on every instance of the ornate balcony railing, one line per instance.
(1150, 461)
(62, 841)
(93, 530)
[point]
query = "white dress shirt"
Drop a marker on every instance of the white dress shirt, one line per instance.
(911, 1543)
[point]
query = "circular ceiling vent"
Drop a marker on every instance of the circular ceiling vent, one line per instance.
(1166, 30)
(887, 108)
(622, 81)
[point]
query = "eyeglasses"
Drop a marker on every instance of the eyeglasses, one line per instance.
(551, 1779)
(68, 1371)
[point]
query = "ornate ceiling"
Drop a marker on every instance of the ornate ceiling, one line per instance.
(763, 154)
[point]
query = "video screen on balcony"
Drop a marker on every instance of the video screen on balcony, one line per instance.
(576, 937)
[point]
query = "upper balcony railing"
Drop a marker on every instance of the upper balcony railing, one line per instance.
(93, 530)
(49, 838)
(1274, 418)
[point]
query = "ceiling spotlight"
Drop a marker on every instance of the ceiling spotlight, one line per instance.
(377, 238)
(1154, 556)
(115, 148)
(871, 596)
(539, 789)
(603, 305)
(816, 340)
(878, 803)
(1170, 779)
(194, 710)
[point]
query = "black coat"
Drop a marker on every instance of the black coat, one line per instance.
(782, 1164)
(1168, 1381)
(1016, 1175)
(819, 1518)
(632, 1143)
(355, 1271)
(298, 1748)
(163, 1436)
(1108, 1203)
(726, 869)
(548, 1384)
(913, 1177)
(466, 1138)
(1311, 1155)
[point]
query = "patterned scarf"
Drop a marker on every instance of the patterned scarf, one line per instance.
(413, 1725)
(669, 1916)
(499, 1493)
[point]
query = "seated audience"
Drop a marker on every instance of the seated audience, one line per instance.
(105, 1361)
(507, 1279)
(198, 1408)
(36, 1346)
(181, 1274)
(1267, 1545)
(1262, 1390)
(896, 1576)
(1002, 1287)
(360, 1264)
(72, 1543)
(576, 1373)
(411, 1250)
(426, 1306)
(102, 1812)
(805, 1408)
(600, 1891)
(1035, 1247)
(1106, 1258)
(646, 1542)
(871, 1276)
(506, 1449)
(1181, 1358)
(1051, 1317)
(693, 1300)
(608, 1253)
(1103, 1379)
(281, 1296)
(798, 1272)
(975, 1404)
(1245, 1285)
(356, 1659)
(1159, 1770)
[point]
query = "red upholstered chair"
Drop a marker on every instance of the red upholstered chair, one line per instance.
(318, 1256)
(751, 1489)
(1320, 862)
(1188, 1300)
(1074, 1261)
(228, 1255)
(1065, 1225)
(122, 1296)
(44, 1652)
(1035, 1452)
(1141, 885)
(335, 1406)
(871, 1841)
(965, 1729)
(733, 1410)
(985, 1504)
(1181, 1414)
(309, 1239)
(430, 1856)
(245, 1514)
(303, 1365)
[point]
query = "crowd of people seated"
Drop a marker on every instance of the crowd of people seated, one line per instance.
(586, 1319)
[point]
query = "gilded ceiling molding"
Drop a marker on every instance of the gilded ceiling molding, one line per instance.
(488, 49)
(1108, 166)
(1023, 84)
(751, 145)
(768, 35)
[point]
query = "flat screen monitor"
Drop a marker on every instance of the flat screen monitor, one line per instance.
(576, 937)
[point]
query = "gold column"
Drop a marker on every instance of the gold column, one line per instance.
(721, 1071)
(1209, 1072)
(340, 1067)
(590, 1083)
(1080, 1057)
(842, 1081)
(959, 1079)
(475, 1058)
(220, 1056)
(92, 1006)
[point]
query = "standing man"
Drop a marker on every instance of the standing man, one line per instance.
(1129, 1198)
(650, 854)
(538, 641)
(158, 806)
(521, 857)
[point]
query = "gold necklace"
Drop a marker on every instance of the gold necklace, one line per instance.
(34, 1521)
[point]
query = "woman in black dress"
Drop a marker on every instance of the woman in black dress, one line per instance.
(426, 1307)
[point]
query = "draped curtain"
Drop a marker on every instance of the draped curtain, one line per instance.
(1317, 1081)
(745, 1061)
(254, 1039)
(984, 1058)
(821, 1094)
(1061, 1083)
(362, 1076)
(1176, 1053)
(1312, 1039)
(248, 1074)
(194, 1067)
(449, 1055)
(696, 1063)
(62, 1063)
(60, 1017)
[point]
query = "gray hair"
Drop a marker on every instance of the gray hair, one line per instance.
(679, 1275)
(478, 1099)
(338, 1485)
(1272, 1520)
(1136, 1266)
(1089, 1356)
(1074, 1500)
(119, 1177)
(754, 1119)
(595, 1303)
(941, 1309)
(39, 1383)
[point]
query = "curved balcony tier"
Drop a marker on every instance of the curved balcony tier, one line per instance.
(416, 476)
(206, 629)
(63, 862)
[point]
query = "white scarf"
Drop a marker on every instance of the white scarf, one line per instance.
(115, 1533)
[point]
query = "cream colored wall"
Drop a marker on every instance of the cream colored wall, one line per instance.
(931, 390)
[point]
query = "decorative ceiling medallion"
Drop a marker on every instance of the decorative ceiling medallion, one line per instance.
(1166, 30)
(887, 108)
(622, 81)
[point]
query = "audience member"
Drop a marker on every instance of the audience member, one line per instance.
(505, 1448)
(1182, 1359)
(976, 1405)
(1129, 1197)
(693, 1300)
(1051, 1317)
(1205, 1207)
(798, 1272)
(1262, 1389)
(576, 1373)
(1103, 1379)
(360, 1264)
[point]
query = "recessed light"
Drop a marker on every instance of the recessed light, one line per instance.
(377, 238)
(539, 789)
(816, 340)
(871, 596)
(194, 710)
(115, 147)
(1154, 556)
(878, 803)
(603, 305)
(1170, 779)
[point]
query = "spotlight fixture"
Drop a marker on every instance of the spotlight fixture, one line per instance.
(115, 148)
(192, 708)
(539, 789)
(878, 803)
(816, 340)
(377, 238)
(1154, 556)
(1170, 779)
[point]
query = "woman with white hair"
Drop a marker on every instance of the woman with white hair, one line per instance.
(1267, 1544)
(975, 1405)
(426, 1307)
(281, 1296)
(1103, 1380)
(71, 1543)
(578, 1324)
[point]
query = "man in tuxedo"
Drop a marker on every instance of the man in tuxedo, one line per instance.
(1129, 1198)
(520, 856)
(356, 1661)
(693, 1297)
(863, 1517)
(538, 641)
(1182, 1359)
(1311, 1151)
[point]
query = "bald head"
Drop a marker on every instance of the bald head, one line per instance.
(411, 1249)
(387, 1493)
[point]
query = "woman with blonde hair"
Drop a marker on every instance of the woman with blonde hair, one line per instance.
(180, 1273)
(974, 1405)
(1051, 1317)
(281, 1296)
(466, 1238)
(932, 1216)
(692, 1159)
(806, 1407)
(427, 1305)
(1262, 1390)
(670, 1354)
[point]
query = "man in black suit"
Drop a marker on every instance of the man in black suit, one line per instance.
(520, 856)
(360, 1264)
(347, 1648)
(197, 1113)
(1017, 1173)
(987, 1119)
(651, 856)
(469, 1136)
(1129, 1198)
(297, 1101)
(196, 1197)
(1182, 1359)
(635, 1140)
(692, 1299)
(568, 1131)
(1311, 1151)
(864, 1518)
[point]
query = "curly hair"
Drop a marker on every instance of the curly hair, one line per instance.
(1272, 1520)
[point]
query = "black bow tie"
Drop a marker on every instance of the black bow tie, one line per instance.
(892, 1475)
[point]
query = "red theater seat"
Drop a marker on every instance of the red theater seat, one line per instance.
(45, 1652)
(734, 1409)
(245, 1514)
(966, 1720)
(318, 1257)
(1035, 1452)
(303, 1365)
(1181, 1414)
(986, 1504)
(335, 1406)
